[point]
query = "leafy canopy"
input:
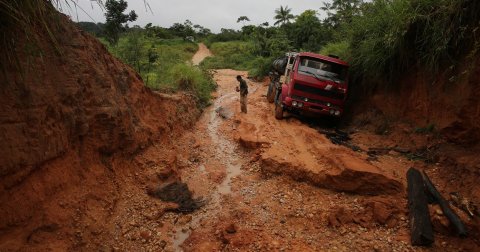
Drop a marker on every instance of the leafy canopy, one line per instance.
(283, 15)
(115, 19)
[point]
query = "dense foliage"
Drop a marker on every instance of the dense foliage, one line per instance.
(382, 39)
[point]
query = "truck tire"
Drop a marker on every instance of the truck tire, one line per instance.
(271, 92)
(278, 111)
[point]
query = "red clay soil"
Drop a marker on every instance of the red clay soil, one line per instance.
(447, 104)
(71, 124)
(281, 199)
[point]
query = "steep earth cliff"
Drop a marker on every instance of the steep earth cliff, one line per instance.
(71, 118)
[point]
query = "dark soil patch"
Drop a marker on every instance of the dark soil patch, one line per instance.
(178, 192)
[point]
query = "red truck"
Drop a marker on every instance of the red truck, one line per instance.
(314, 84)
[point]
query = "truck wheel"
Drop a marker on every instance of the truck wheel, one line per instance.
(278, 111)
(270, 93)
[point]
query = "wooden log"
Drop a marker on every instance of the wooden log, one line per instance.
(421, 232)
(447, 211)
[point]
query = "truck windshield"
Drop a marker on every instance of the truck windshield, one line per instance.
(322, 69)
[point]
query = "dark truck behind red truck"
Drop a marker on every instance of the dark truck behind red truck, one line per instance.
(314, 85)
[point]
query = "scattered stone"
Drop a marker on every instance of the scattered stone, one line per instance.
(162, 244)
(231, 229)
(225, 113)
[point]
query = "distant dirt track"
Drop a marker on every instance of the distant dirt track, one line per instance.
(201, 54)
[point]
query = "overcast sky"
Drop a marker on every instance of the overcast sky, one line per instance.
(213, 14)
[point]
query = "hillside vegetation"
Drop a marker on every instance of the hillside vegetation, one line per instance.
(164, 63)
(381, 39)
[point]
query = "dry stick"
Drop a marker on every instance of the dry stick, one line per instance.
(421, 232)
(447, 211)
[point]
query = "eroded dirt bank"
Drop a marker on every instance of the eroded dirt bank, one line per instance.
(72, 121)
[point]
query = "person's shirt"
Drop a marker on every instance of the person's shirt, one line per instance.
(243, 87)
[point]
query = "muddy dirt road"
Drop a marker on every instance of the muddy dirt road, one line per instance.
(281, 185)
(201, 54)
(269, 185)
(231, 158)
(276, 185)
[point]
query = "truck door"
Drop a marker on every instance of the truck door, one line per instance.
(289, 68)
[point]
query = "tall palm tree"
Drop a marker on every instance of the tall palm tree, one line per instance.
(283, 15)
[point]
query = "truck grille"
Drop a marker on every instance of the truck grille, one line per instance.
(318, 91)
(301, 98)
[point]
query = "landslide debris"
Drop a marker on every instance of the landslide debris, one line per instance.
(295, 150)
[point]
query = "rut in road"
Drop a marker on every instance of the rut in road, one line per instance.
(225, 151)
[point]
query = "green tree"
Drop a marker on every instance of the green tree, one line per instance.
(132, 49)
(201, 31)
(308, 32)
(341, 11)
(243, 19)
(152, 58)
(283, 15)
(116, 19)
(183, 30)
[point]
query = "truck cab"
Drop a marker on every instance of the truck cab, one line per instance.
(313, 85)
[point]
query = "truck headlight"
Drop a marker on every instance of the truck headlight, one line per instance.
(300, 104)
(329, 104)
(294, 103)
(332, 111)
(337, 113)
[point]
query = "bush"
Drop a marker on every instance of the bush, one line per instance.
(232, 55)
(260, 67)
(191, 78)
(340, 49)
(238, 55)
(392, 36)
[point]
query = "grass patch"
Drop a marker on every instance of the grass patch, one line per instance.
(164, 64)
(151, 57)
(237, 55)
(191, 78)
(232, 55)
(340, 49)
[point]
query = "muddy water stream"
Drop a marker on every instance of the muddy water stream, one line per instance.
(225, 152)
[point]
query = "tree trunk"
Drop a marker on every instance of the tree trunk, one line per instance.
(420, 225)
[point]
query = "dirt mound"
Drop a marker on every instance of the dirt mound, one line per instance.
(290, 148)
(71, 121)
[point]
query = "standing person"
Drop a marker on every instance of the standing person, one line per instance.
(243, 89)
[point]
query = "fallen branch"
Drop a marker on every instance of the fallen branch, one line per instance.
(447, 211)
(421, 231)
